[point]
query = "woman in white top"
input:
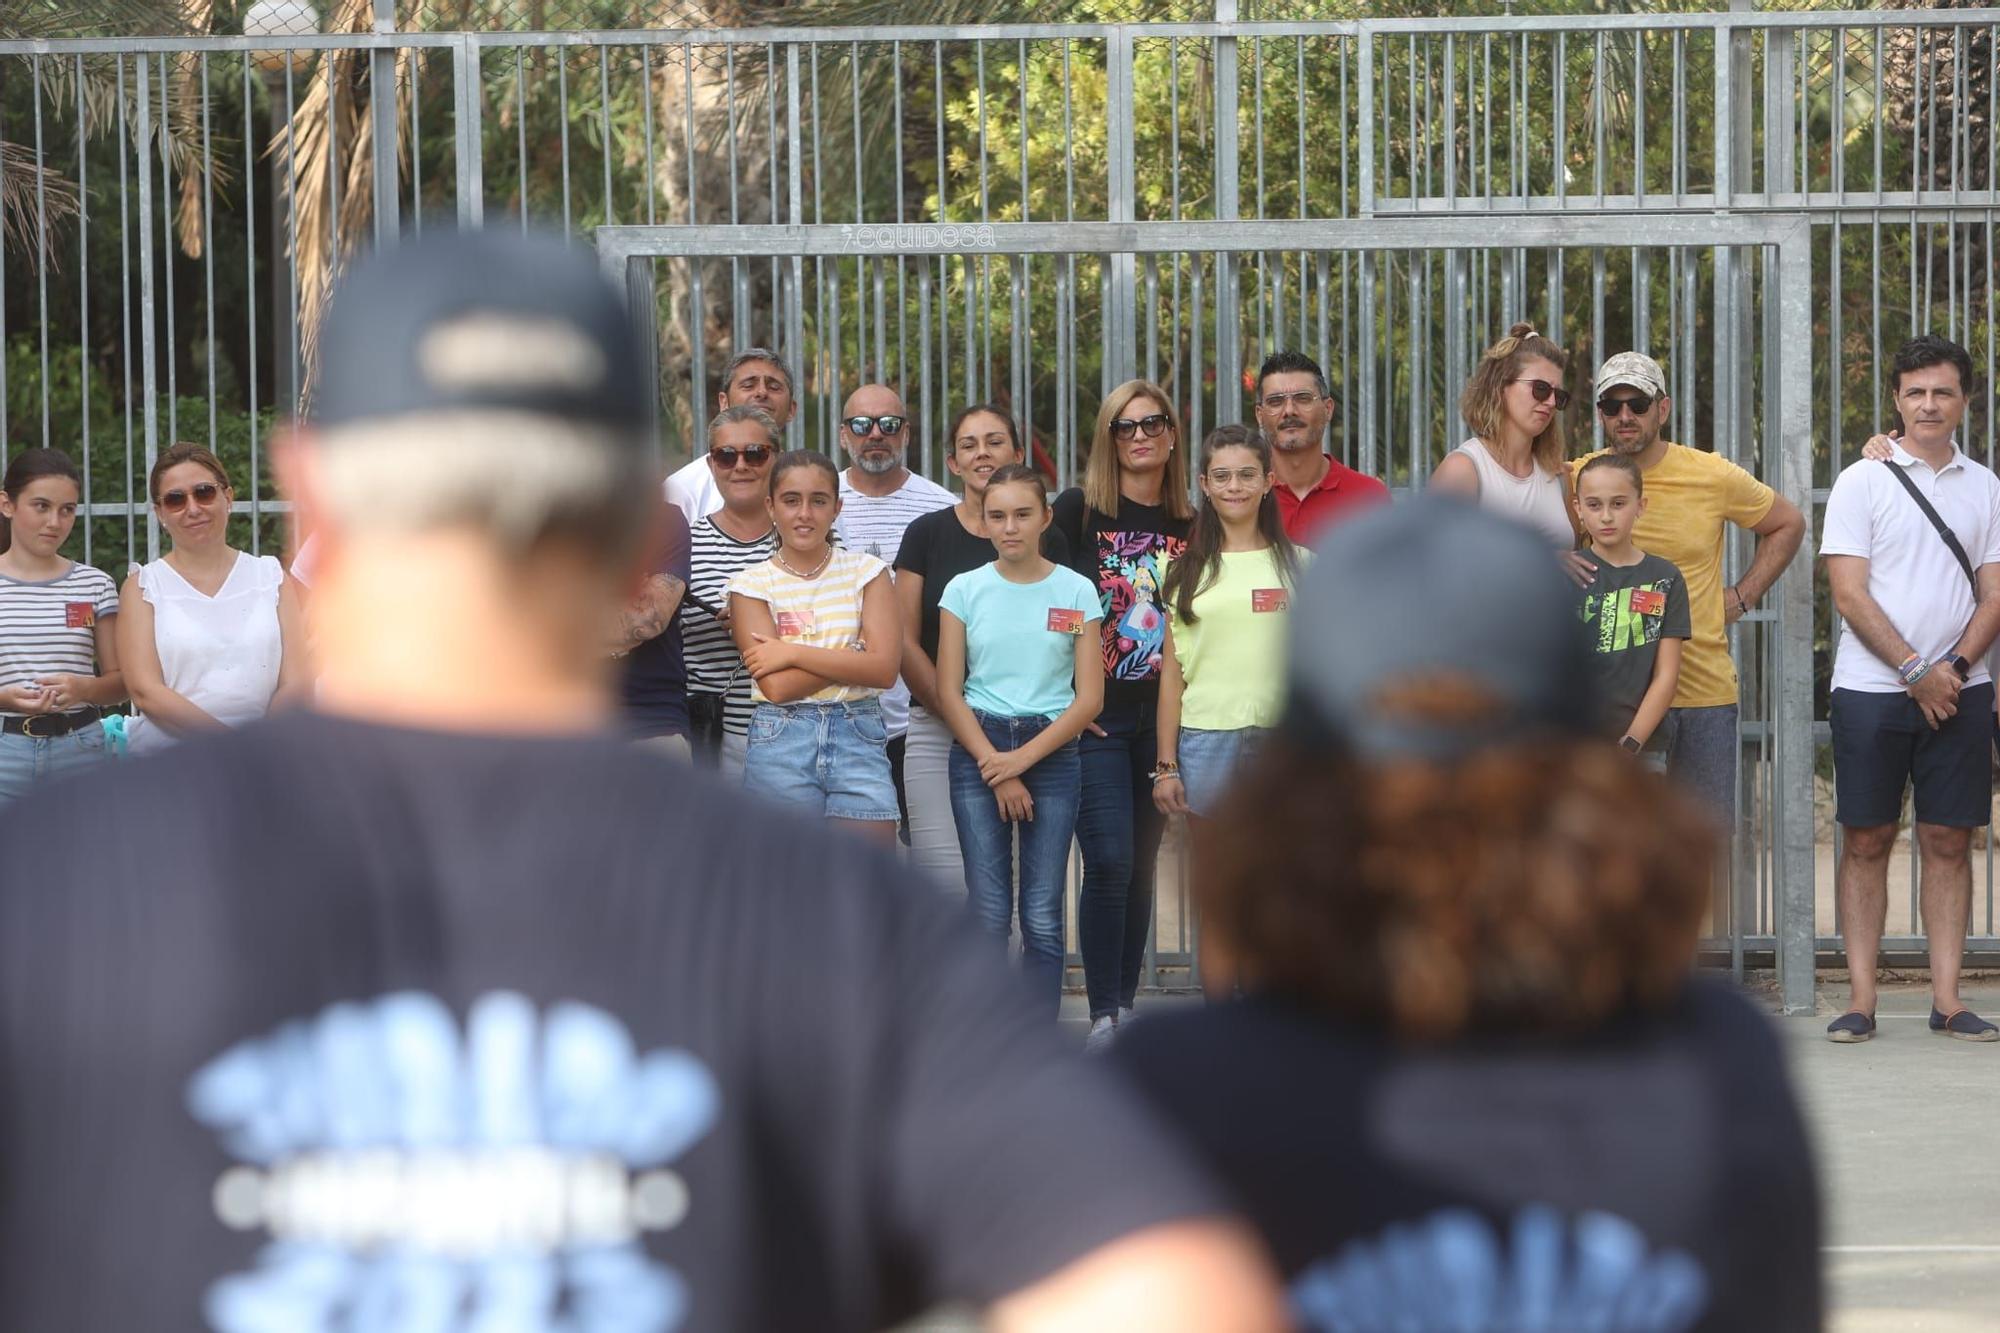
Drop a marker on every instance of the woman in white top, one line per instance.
(209, 636)
(1515, 462)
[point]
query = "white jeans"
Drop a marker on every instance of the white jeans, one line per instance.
(734, 748)
(927, 785)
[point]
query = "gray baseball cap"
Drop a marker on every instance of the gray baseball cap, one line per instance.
(480, 321)
(1432, 628)
(1636, 369)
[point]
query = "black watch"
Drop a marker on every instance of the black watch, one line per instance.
(1961, 666)
(1630, 744)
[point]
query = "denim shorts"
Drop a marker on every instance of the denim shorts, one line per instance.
(1209, 760)
(830, 760)
(26, 762)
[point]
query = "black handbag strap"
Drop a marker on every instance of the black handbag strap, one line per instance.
(1949, 537)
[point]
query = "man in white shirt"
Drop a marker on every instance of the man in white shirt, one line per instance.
(1912, 696)
(879, 498)
(756, 377)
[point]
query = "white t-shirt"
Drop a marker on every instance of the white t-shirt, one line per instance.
(1912, 574)
(692, 489)
(874, 525)
(221, 653)
(1540, 500)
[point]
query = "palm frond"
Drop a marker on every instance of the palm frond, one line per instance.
(32, 194)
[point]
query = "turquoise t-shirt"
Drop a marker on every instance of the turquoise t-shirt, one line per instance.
(1020, 638)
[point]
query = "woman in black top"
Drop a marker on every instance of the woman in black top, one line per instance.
(937, 548)
(1127, 520)
(1473, 1085)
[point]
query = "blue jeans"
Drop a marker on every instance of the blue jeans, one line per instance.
(1209, 760)
(26, 763)
(986, 842)
(825, 759)
(1119, 829)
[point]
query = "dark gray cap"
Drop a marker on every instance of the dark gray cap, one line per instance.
(480, 321)
(1429, 629)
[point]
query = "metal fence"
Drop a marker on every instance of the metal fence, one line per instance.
(173, 211)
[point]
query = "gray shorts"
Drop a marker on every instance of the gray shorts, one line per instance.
(1702, 755)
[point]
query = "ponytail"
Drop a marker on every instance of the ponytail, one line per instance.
(30, 466)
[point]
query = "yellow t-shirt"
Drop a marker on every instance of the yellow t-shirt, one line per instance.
(822, 613)
(1690, 495)
(1232, 658)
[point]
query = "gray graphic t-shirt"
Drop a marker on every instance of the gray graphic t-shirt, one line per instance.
(1626, 613)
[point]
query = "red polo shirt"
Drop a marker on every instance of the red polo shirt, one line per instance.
(1341, 493)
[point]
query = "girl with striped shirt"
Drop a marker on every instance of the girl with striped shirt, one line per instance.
(58, 656)
(817, 627)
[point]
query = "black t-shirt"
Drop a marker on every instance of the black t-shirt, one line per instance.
(1626, 611)
(937, 548)
(1661, 1161)
(654, 686)
(1126, 556)
(455, 1013)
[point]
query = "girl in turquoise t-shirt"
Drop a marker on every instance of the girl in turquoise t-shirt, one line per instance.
(1019, 677)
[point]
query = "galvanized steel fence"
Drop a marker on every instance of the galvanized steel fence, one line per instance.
(173, 211)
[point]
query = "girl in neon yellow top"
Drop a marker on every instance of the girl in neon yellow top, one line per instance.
(1228, 598)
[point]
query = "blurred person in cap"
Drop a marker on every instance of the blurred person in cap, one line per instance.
(440, 1008)
(1473, 1084)
(1693, 496)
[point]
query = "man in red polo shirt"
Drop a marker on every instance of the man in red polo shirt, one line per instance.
(1314, 488)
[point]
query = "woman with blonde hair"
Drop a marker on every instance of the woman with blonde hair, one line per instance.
(1515, 462)
(1474, 1082)
(1127, 521)
(210, 636)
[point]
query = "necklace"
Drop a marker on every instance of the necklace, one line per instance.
(786, 565)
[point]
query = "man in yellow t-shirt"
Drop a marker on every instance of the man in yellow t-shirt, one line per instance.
(1690, 495)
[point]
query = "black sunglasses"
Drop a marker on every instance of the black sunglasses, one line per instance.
(202, 493)
(1541, 389)
(1124, 428)
(756, 455)
(860, 426)
(1613, 408)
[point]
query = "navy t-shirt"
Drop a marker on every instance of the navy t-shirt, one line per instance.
(344, 1026)
(654, 686)
(1657, 1168)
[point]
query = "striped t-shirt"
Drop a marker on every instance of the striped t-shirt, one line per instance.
(713, 664)
(821, 613)
(49, 627)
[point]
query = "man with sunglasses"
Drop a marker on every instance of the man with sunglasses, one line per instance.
(439, 1007)
(754, 377)
(879, 498)
(1692, 496)
(1314, 488)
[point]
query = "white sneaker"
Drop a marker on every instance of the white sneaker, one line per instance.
(1125, 1015)
(1103, 1029)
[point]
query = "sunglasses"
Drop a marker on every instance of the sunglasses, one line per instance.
(202, 493)
(1124, 428)
(1541, 389)
(755, 455)
(861, 426)
(1613, 408)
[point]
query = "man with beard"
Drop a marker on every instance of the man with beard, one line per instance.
(1691, 495)
(1314, 488)
(754, 377)
(879, 498)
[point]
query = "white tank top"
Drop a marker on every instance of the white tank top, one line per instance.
(1541, 501)
(221, 653)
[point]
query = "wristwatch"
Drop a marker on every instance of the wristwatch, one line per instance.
(1961, 666)
(1630, 744)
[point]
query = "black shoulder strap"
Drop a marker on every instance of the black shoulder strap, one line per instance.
(1949, 537)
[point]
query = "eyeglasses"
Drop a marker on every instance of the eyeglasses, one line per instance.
(1152, 427)
(1541, 389)
(1613, 408)
(756, 455)
(1278, 402)
(1222, 476)
(202, 493)
(860, 426)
